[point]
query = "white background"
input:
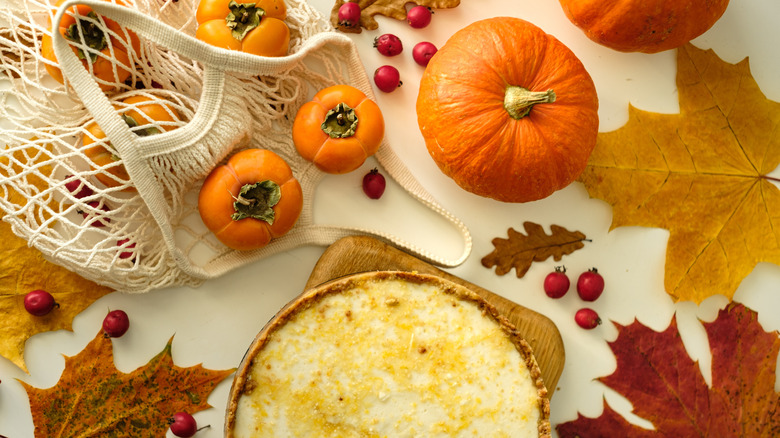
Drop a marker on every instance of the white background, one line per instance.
(214, 324)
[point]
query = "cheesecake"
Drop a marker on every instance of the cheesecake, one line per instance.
(388, 354)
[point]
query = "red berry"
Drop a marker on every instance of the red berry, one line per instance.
(39, 302)
(556, 284)
(590, 285)
(423, 52)
(94, 216)
(349, 14)
(183, 425)
(388, 44)
(587, 318)
(125, 244)
(78, 187)
(419, 16)
(116, 323)
(387, 78)
(374, 184)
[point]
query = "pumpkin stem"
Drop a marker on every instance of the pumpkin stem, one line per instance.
(340, 122)
(257, 201)
(243, 17)
(518, 101)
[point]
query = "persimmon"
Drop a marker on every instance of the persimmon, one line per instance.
(338, 129)
(255, 27)
(251, 199)
(113, 42)
(145, 116)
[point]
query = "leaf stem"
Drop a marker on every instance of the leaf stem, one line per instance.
(771, 178)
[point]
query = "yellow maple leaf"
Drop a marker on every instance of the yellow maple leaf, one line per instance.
(701, 174)
(23, 269)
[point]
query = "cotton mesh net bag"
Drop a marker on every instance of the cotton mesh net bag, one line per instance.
(111, 121)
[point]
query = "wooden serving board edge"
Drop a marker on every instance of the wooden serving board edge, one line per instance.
(356, 254)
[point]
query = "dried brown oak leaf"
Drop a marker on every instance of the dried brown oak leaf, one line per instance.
(520, 250)
(94, 399)
(701, 174)
(656, 374)
(389, 8)
(23, 269)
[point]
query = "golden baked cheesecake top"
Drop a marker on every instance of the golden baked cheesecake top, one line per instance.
(388, 354)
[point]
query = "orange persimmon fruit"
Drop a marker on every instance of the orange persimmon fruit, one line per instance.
(255, 27)
(113, 42)
(251, 199)
(145, 116)
(338, 129)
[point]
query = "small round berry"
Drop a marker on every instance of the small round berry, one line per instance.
(374, 184)
(39, 302)
(125, 244)
(556, 284)
(116, 323)
(419, 16)
(388, 44)
(387, 78)
(423, 52)
(78, 187)
(183, 425)
(95, 217)
(587, 318)
(590, 285)
(349, 14)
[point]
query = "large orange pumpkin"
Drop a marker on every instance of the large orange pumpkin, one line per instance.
(648, 26)
(508, 111)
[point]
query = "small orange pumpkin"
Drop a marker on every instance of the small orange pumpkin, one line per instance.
(338, 129)
(251, 199)
(508, 111)
(648, 26)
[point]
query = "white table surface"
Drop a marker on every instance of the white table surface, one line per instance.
(213, 324)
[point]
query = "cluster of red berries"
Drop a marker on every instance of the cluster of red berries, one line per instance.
(590, 285)
(96, 213)
(387, 78)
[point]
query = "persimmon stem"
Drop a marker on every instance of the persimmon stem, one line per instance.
(518, 101)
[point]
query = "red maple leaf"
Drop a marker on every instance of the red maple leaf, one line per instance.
(666, 387)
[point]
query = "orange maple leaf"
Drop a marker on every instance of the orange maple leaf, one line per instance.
(93, 398)
(655, 372)
(701, 174)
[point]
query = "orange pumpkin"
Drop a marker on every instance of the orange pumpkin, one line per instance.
(143, 118)
(507, 111)
(338, 129)
(648, 26)
(250, 200)
(101, 39)
(249, 26)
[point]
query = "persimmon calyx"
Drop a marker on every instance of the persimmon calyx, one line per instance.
(518, 101)
(256, 201)
(243, 18)
(341, 121)
(132, 123)
(93, 36)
